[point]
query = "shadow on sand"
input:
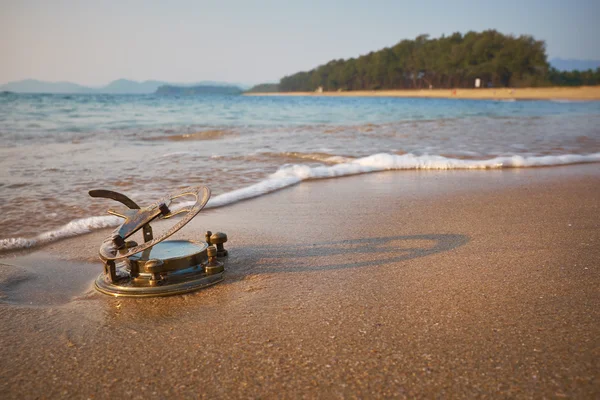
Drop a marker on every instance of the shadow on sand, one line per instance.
(342, 254)
(256, 261)
(42, 279)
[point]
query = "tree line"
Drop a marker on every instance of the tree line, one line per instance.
(454, 61)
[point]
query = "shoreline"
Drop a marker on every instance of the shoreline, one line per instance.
(418, 284)
(584, 93)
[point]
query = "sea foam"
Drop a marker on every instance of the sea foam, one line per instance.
(289, 175)
(73, 228)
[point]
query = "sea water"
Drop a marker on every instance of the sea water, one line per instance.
(54, 148)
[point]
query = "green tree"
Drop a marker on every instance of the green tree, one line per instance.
(453, 61)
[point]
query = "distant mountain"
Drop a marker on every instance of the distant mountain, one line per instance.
(573, 64)
(35, 86)
(126, 86)
(242, 86)
(197, 89)
(120, 86)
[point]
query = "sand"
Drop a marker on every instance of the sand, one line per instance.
(549, 93)
(430, 284)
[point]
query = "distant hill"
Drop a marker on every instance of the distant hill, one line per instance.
(120, 86)
(264, 88)
(35, 86)
(573, 64)
(198, 89)
(126, 86)
(489, 59)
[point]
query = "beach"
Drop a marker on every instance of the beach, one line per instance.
(541, 93)
(413, 284)
(246, 146)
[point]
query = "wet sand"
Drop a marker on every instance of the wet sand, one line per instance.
(544, 93)
(451, 284)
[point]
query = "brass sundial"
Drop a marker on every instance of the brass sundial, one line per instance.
(158, 267)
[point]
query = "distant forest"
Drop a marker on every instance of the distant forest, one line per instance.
(453, 61)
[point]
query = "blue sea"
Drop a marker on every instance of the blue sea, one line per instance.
(54, 148)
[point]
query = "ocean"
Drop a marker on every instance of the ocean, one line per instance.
(54, 148)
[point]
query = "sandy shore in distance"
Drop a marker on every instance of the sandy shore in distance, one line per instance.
(551, 93)
(416, 284)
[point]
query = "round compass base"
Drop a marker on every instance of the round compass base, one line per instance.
(127, 287)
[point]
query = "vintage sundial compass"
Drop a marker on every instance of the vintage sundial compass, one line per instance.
(158, 267)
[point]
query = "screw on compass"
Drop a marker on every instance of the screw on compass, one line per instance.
(154, 266)
(214, 266)
(219, 238)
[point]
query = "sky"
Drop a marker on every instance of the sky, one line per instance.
(254, 41)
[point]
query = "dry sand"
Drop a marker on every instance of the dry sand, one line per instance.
(549, 93)
(431, 284)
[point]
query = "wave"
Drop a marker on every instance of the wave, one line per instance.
(325, 158)
(74, 228)
(200, 135)
(289, 175)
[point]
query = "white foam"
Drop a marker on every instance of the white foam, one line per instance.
(338, 159)
(289, 175)
(73, 228)
(570, 101)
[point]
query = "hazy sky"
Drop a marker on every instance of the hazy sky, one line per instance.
(94, 42)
